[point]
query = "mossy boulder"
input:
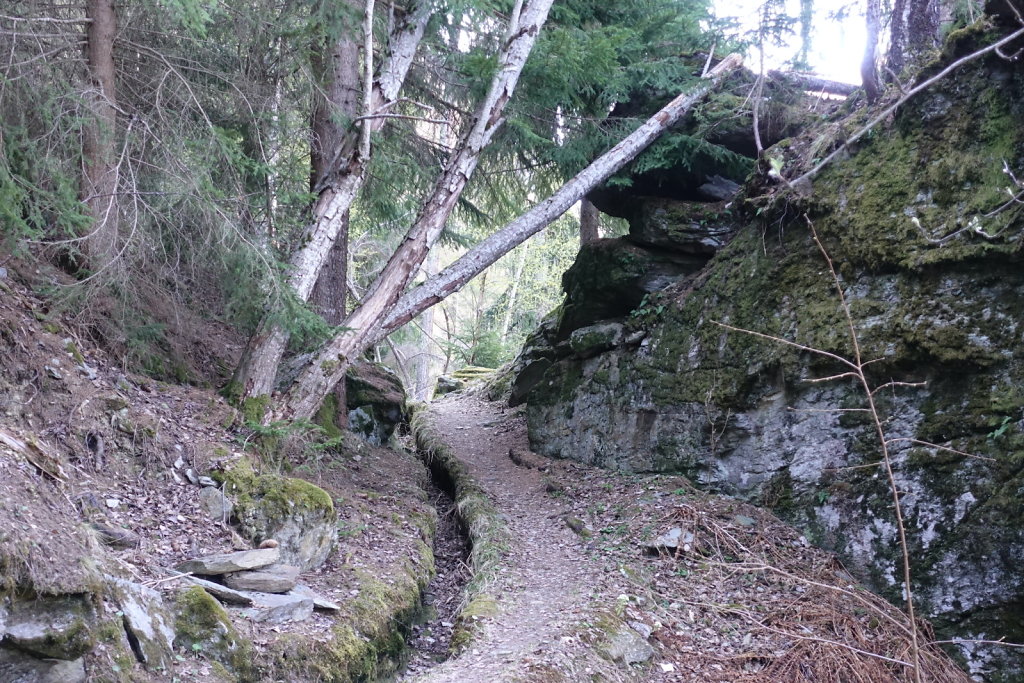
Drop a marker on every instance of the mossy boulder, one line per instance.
(54, 627)
(692, 227)
(366, 641)
(202, 627)
(375, 400)
(299, 515)
(447, 385)
(929, 256)
(592, 340)
(611, 277)
(147, 623)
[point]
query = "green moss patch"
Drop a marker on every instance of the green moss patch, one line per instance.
(203, 628)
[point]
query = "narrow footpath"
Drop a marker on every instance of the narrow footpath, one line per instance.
(640, 577)
(547, 586)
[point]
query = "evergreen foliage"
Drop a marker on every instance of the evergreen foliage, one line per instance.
(212, 136)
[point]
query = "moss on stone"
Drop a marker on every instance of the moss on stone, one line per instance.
(202, 627)
(254, 408)
(931, 272)
(327, 417)
(282, 493)
(368, 638)
(115, 652)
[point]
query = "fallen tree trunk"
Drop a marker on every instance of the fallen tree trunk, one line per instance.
(813, 83)
(366, 326)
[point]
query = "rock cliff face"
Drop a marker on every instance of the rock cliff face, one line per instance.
(633, 372)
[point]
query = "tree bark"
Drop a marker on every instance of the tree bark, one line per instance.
(369, 325)
(425, 359)
(813, 83)
(336, 66)
(364, 322)
(99, 150)
(343, 176)
(868, 64)
(914, 31)
(590, 222)
(513, 292)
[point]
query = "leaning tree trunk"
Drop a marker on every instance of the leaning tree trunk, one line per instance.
(343, 178)
(363, 324)
(99, 149)
(367, 326)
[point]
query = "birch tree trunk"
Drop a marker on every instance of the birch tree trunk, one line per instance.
(343, 177)
(513, 292)
(370, 325)
(313, 383)
(425, 360)
(99, 150)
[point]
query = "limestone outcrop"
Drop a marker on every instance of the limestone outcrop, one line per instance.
(928, 252)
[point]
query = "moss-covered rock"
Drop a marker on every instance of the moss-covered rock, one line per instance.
(299, 515)
(59, 627)
(146, 621)
(611, 277)
(929, 256)
(367, 639)
(376, 401)
(203, 628)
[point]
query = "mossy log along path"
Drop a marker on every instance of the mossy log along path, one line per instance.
(544, 585)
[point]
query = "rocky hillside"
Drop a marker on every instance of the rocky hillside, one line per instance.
(658, 359)
(148, 533)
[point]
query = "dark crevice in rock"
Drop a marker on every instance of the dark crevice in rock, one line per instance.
(133, 640)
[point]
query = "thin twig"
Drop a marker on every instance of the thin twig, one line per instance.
(929, 444)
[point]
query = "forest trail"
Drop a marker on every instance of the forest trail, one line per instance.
(655, 581)
(546, 583)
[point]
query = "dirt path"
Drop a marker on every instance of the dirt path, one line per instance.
(545, 585)
(737, 597)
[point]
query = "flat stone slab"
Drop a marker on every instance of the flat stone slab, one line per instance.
(221, 592)
(274, 608)
(213, 565)
(672, 540)
(629, 647)
(278, 578)
(319, 601)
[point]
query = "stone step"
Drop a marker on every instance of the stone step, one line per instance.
(212, 565)
(278, 578)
